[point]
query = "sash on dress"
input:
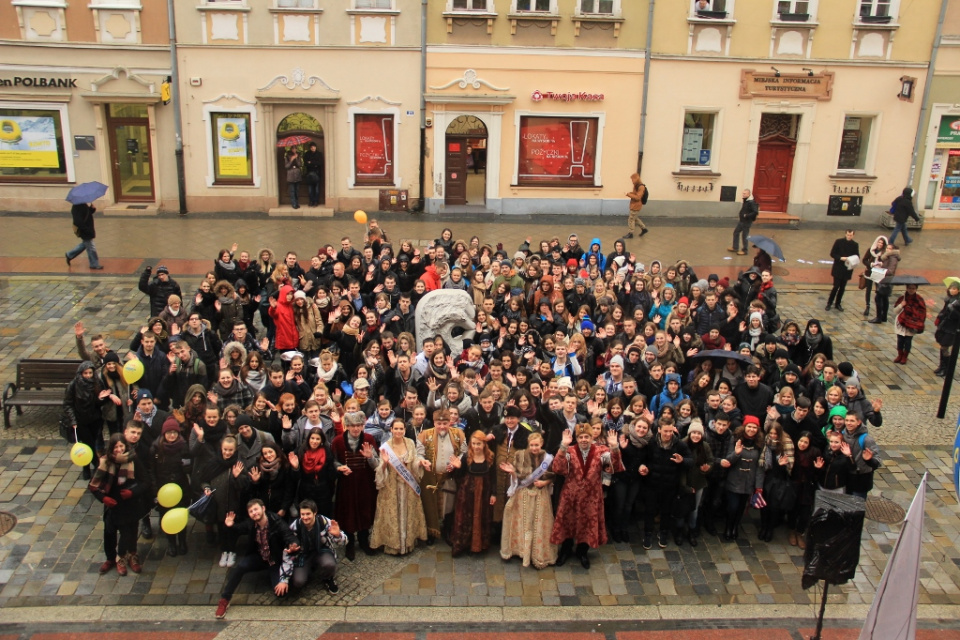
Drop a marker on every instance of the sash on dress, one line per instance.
(530, 479)
(400, 468)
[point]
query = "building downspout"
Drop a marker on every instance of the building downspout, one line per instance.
(421, 201)
(925, 102)
(646, 84)
(177, 120)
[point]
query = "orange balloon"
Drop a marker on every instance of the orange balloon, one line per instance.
(360, 216)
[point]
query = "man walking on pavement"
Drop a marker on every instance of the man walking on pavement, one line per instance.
(902, 209)
(83, 228)
(638, 198)
(748, 213)
(844, 250)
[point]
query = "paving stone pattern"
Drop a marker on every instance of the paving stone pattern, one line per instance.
(51, 557)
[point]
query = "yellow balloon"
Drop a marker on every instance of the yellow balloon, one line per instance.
(81, 454)
(169, 495)
(174, 521)
(132, 371)
(360, 216)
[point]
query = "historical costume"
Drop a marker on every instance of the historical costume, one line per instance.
(356, 491)
(528, 514)
(438, 487)
(473, 513)
(399, 520)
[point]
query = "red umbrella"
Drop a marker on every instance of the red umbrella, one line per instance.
(293, 141)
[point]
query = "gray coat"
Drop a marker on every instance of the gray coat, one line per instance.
(250, 453)
(745, 473)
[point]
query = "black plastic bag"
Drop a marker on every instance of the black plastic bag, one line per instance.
(833, 539)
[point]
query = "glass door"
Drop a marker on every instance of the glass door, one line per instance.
(950, 193)
(130, 153)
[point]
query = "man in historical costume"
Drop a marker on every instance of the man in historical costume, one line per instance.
(580, 515)
(437, 487)
(357, 460)
(508, 438)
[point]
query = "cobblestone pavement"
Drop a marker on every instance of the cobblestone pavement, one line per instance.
(50, 557)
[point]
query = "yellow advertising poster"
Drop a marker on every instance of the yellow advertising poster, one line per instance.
(232, 151)
(28, 142)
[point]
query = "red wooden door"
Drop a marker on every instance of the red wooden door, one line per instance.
(456, 165)
(771, 182)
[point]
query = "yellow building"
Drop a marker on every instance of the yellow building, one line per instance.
(533, 105)
(80, 100)
(811, 104)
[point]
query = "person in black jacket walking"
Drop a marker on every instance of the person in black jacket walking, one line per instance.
(749, 211)
(84, 229)
(843, 250)
(902, 209)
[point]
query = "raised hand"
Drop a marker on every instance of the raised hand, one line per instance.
(293, 460)
(366, 450)
(237, 469)
(845, 448)
(867, 454)
(231, 516)
(506, 467)
(255, 474)
(104, 394)
(612, 439)
(287, 422)
(454, 462)
(783, 461)
(567, 438)
(198, 298)
(78, 329)
(738, 448)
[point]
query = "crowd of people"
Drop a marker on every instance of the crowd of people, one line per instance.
(600, 398)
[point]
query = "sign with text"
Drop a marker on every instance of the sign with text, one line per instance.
(558, 150)
(949, 132)
(373, 147)
(232, 147)
(755, 84)
(28, 142)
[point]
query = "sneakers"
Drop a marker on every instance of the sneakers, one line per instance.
(106, 566)
(648, 541)
(223, 558)
(332, 586)
(231, 559)
(146, 531)
(122, 566)
(662, 539)
(222, 607)
(133, 561)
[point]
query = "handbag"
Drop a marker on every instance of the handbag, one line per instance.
(862, 283)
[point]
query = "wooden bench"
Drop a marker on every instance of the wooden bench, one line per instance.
(773, 217)
(40, 383)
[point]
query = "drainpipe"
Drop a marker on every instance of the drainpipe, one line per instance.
(925, 103)
(175, 99)
(421, 201)
(646, 84)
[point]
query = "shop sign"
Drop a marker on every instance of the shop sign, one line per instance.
(949, 132)
(39, 83)
(570, 96)
(28, 142)
(754, 84)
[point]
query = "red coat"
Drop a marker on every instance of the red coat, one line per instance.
(357, 492)
(580, 514)
(287, 337)
(430, 278)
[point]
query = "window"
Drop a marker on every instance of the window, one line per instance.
(533, 5)
(373, 149)
(793, 6)
(32, 146)
(604, 7)
(373, 4)
(711, 8)
(557, 151)
(296, 4)
(854, 143)
(875, 8)
(697, 145)
(469, 5)
(232, 153)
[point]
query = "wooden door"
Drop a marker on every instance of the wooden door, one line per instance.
(130, 156)
(771, 181)
(455, 183)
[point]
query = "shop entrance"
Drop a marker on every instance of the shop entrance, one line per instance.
(775, 153)
(128, 132)
(944, 190)
(299, 129)
(466, 162)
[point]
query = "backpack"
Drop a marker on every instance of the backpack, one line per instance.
(646, 194)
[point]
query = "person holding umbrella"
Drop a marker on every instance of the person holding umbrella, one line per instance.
(82, 211)
(294, 167)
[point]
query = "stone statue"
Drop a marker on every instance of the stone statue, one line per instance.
(441, 311)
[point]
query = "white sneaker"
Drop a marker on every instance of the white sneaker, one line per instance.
(224, 558)
(231, 559)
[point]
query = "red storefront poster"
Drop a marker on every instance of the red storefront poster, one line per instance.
(374, 148)
(558, 151)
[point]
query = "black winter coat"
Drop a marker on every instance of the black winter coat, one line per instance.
(843, 248)
(158, 291)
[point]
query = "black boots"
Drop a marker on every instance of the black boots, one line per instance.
(182, 540)
(582, 550)
(693, 536)
(171, 545)
(565, 550)
(941, 371)
(177, 544)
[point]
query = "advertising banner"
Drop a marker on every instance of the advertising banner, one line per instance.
(557, 149)
(374, 138)
(232, 151)
(28, 142)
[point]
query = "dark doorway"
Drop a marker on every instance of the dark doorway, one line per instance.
(305, 125)
(466, 161)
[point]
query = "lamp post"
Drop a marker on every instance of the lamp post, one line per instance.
(177, 120)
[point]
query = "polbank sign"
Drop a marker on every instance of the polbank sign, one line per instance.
(39, 83)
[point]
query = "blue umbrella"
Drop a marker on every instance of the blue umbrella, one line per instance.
(86, 192)
(768, 245)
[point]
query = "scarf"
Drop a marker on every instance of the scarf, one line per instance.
(441, 374)
(327, 376)
(227, 299)
(347, 329)
(255, 380)
(229, 266)
(243, 264)
(638, 441)
(813, 341)
(216, 465)
(313, 460)
(214, 434)
(270, 468)
(108, 473)
(174, 448)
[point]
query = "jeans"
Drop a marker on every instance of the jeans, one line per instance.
(743, 229)
(313, 188)
(691, 518)
(294, 188)
(90, 248)
(126, 533)
(323, 564)
(900, 227)
(245, 565)
(623, 496)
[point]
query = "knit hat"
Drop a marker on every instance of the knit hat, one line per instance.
(695, 425)
(713, 278)
(362, 383)
(838, 410)
(751, 420)
(620, 260)
(684, 300)
(781, 353)
(519, 255)
(792, 368)
(617, 360)
(144, 394)
(170, 424)
(572, 262)
(580, 282)
(652, 350)
(243, 420)
(769, 338)
(111, 356)
(299, 294)
(744, 345)
(845, 368)
(565, 382)
(723, 282)
(701, 284)
(587, 325)
(163, 269)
